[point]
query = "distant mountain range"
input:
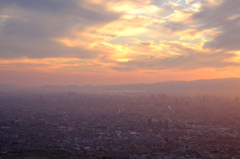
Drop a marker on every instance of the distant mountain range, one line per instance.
(213, 86)
(219, 86)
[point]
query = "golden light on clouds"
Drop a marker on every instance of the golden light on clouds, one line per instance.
(123, 60)
(235, 58)
(161, 40)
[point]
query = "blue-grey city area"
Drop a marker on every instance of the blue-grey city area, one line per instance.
(116, 125)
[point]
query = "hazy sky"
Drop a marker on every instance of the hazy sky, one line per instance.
(99, 42)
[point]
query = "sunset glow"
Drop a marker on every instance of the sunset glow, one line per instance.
(101, 42)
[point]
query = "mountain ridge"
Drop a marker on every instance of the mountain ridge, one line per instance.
(211, 86)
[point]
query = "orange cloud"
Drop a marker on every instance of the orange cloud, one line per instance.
(108, 39)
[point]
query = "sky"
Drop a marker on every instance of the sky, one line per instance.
(110, 42)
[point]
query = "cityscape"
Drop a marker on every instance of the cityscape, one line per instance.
(118, 125)
(119, 79)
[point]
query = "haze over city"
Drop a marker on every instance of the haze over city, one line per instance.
(101, 42)
(119, 79)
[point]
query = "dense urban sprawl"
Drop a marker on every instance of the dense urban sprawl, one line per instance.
(119, 126)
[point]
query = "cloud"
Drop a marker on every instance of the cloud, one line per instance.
(224, 16)
(189, 58)
(69, 65)
(191, 62)
(31, 27)
(128, 35)
(43, 6)
(219, 16)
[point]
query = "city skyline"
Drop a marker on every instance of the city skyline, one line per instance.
(101, 42)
